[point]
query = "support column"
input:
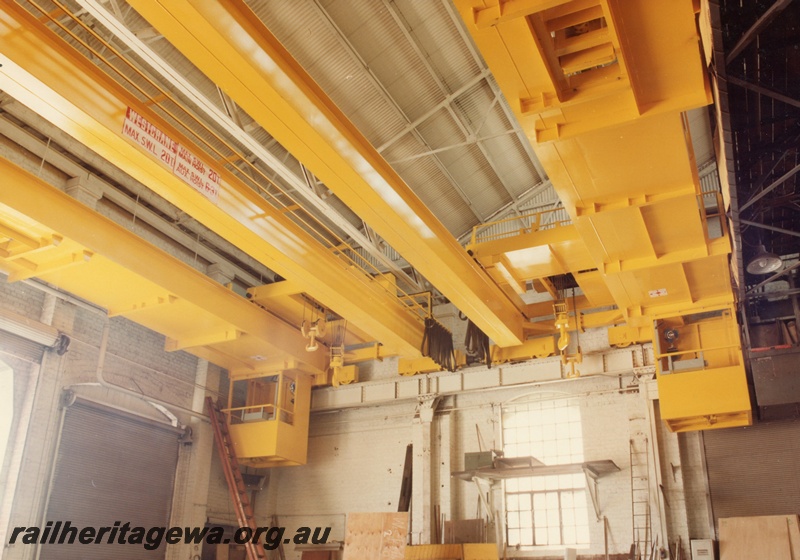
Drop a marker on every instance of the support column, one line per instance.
(190, 495)
(444, 460)
(422, 487)
(658, 514)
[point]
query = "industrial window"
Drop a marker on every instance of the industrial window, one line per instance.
(546, 510)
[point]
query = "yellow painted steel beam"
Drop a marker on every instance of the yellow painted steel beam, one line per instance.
(625, 335)
(537, 254)
(540, 347)
(205, 340)
(12, 234)
(506, 10)
(715, 247)
(507, 276)
(16, 249)
(601, 319)
(416, 366)
(228, 43)
(273, 366)
(159, 301)
(365, 354)
(584, 321)
(118, 252)
(46, 74)
(545, 308)
(285, 299)
(547, 285)
(49, 267)
(629, 164)
(263, 294)
(650, 64)
(594, 286)
(540, 328)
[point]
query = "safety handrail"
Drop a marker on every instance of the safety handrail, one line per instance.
(537, 222)
(277, 412)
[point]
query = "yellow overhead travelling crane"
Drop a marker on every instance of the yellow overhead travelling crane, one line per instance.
(600, 87)
(229, 44)
(52, 78)
(47, 234)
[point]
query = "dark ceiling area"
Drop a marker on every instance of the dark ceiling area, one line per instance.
(761, 42)
(756, 75)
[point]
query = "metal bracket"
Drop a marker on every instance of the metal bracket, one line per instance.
(426, 407)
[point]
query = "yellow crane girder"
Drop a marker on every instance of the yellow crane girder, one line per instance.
(229, 44)
(79, 250)
(600, 87)
(42, 71)
(612, 138)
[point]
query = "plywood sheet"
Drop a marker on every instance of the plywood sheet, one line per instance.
(793, 521)
(745, 538)
(375, 536)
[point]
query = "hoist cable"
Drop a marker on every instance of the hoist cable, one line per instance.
(477, 344)
(437, 344)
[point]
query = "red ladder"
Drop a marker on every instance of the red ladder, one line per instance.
(236, 486)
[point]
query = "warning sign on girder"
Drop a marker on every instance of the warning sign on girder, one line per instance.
(191, 169)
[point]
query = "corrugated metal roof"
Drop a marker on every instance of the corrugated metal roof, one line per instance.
(441, 43)
(387, 64)
(514, 168)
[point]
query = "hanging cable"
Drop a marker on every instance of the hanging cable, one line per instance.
(437, 344)
(477, 344)
(577, 321)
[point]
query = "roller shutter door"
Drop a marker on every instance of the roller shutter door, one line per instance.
(754, 470)
(21, 348)
(111, 466)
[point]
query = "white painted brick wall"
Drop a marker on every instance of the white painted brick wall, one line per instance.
(134, 354)
(20, 298)
(220, 507)
(352, 452)
(355, 456)
(355, 464)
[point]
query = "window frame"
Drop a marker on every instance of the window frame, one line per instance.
(522, 405)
